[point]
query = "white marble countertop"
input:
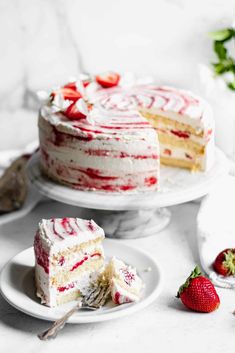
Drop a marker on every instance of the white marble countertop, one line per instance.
(165, 326)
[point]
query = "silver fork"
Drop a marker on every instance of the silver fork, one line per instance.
(93, 300)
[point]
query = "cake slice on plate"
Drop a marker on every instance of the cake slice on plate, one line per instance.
(69, 255)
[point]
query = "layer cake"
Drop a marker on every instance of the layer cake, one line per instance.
(112, 139)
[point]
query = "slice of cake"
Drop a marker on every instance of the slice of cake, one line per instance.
(69, 255)
(125, 284)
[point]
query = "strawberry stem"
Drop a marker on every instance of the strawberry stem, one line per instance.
(229, 261)
(194, 274)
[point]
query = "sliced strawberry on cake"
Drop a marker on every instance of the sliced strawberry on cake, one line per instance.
(108, 79)
(77, 110)
(67, 93)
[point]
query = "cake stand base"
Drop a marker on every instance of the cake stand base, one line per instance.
(131, 224)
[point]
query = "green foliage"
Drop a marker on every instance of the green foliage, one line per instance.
(225, 62)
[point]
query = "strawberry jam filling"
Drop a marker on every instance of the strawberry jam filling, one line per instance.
(42, 257)
(81, 262)
(181, 134)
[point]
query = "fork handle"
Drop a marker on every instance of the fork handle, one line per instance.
(52, 331)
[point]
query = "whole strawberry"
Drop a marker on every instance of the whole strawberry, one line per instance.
(198, 293)
(224, 263)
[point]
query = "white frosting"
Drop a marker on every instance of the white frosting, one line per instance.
(170, 102)
(56, 237)
(120, 153)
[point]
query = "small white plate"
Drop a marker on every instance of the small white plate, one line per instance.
(17, 286)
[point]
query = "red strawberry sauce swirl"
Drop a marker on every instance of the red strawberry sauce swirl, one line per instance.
(42, 257)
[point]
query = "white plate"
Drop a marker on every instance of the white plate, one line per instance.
(17, 286)
(177, 186)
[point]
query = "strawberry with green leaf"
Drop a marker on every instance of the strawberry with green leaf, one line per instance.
(224, 263)
(198, 293)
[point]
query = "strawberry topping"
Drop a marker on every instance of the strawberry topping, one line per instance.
(67, 93)
(72, 113)
(108, 79)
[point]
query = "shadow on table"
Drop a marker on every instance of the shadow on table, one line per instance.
(17, 320)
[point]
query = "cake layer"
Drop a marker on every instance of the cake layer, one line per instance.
(56, 295)
(164, 122)
(181, 163)
(61, 278)
(165, 139)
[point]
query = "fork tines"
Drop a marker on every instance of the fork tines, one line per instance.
(97, 296)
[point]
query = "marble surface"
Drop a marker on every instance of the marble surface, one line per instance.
(165, 325)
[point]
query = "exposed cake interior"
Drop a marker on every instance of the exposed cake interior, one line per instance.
(69, 256)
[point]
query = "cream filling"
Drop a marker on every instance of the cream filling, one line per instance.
(166, 129)
(178, 153)
(74, 258)
(205, 160)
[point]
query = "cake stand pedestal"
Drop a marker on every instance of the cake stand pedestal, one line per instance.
(133, 215)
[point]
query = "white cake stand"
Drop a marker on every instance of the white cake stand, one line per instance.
(134, 215)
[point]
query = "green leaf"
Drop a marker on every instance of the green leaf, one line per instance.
(231, 85)
(219, 68)
(222, 35)
(194, 274)
(223, 66)
(220, 50)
